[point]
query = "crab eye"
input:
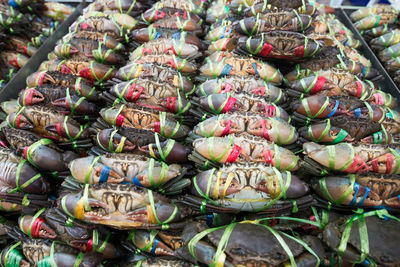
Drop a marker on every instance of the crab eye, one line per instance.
(238, 251)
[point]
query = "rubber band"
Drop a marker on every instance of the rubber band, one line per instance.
(210, 146)
(322, 184)
(163, 154)
(13, 256)
(334, 109)
(17, 176)
(165, 223)
(30, 149)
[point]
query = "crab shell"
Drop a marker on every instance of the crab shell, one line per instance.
(141, 239)
(12, 166)
(248, 244)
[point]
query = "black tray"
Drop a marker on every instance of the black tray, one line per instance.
(18, 82)
(387, 84)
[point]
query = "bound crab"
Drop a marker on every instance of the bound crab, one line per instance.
(352, 158)
(47, 123)
(62, 99)
(133, 116)
(252, 187)
(273, 20)
(77, 84)
(208, 152)
(367, 190)
(156, 72)
(240, 240)
(149, 92)
(348, 129)
(280, 44)
(146, 209)
(128, 168)
(272, 129)
(54, 225)
(241, 102)
(221, 64)
(314, 108)
(249, 85)
(150, 33)
(364, 238)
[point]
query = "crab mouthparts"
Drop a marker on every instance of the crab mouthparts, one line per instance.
(98, 211)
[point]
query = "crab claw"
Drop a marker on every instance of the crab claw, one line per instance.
(90, 259)
(386, 163)
(224, 44)
(10, 106)
(111, 141)
(219, 190)
(339, 157)
(38, 184)
(113, 117)
(323, 133)
(68, 130)
(37, 227)
(316, 104)
(177, 105)
(74, 104)
(47, 159)
(65, 50)
(158, 175)
(97, 72)
(143, 240)
(30, 96)
(178, 152)
(105, 55)
(218, 103)
(88, 170)
(39, 78)
(274, 129)
(109, 251)
(380, 137)
(19, 121)
(335, 189)
(373, 112)
(74, 205)
(22, 262)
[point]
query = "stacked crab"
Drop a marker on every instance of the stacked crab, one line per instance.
(244, 139)
(379, 26)
(47, 128)
(176, 174)
(19, 44)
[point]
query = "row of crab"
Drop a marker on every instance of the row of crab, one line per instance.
(379, 26)
(16, 42)
(167, 158)
(311, 238)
